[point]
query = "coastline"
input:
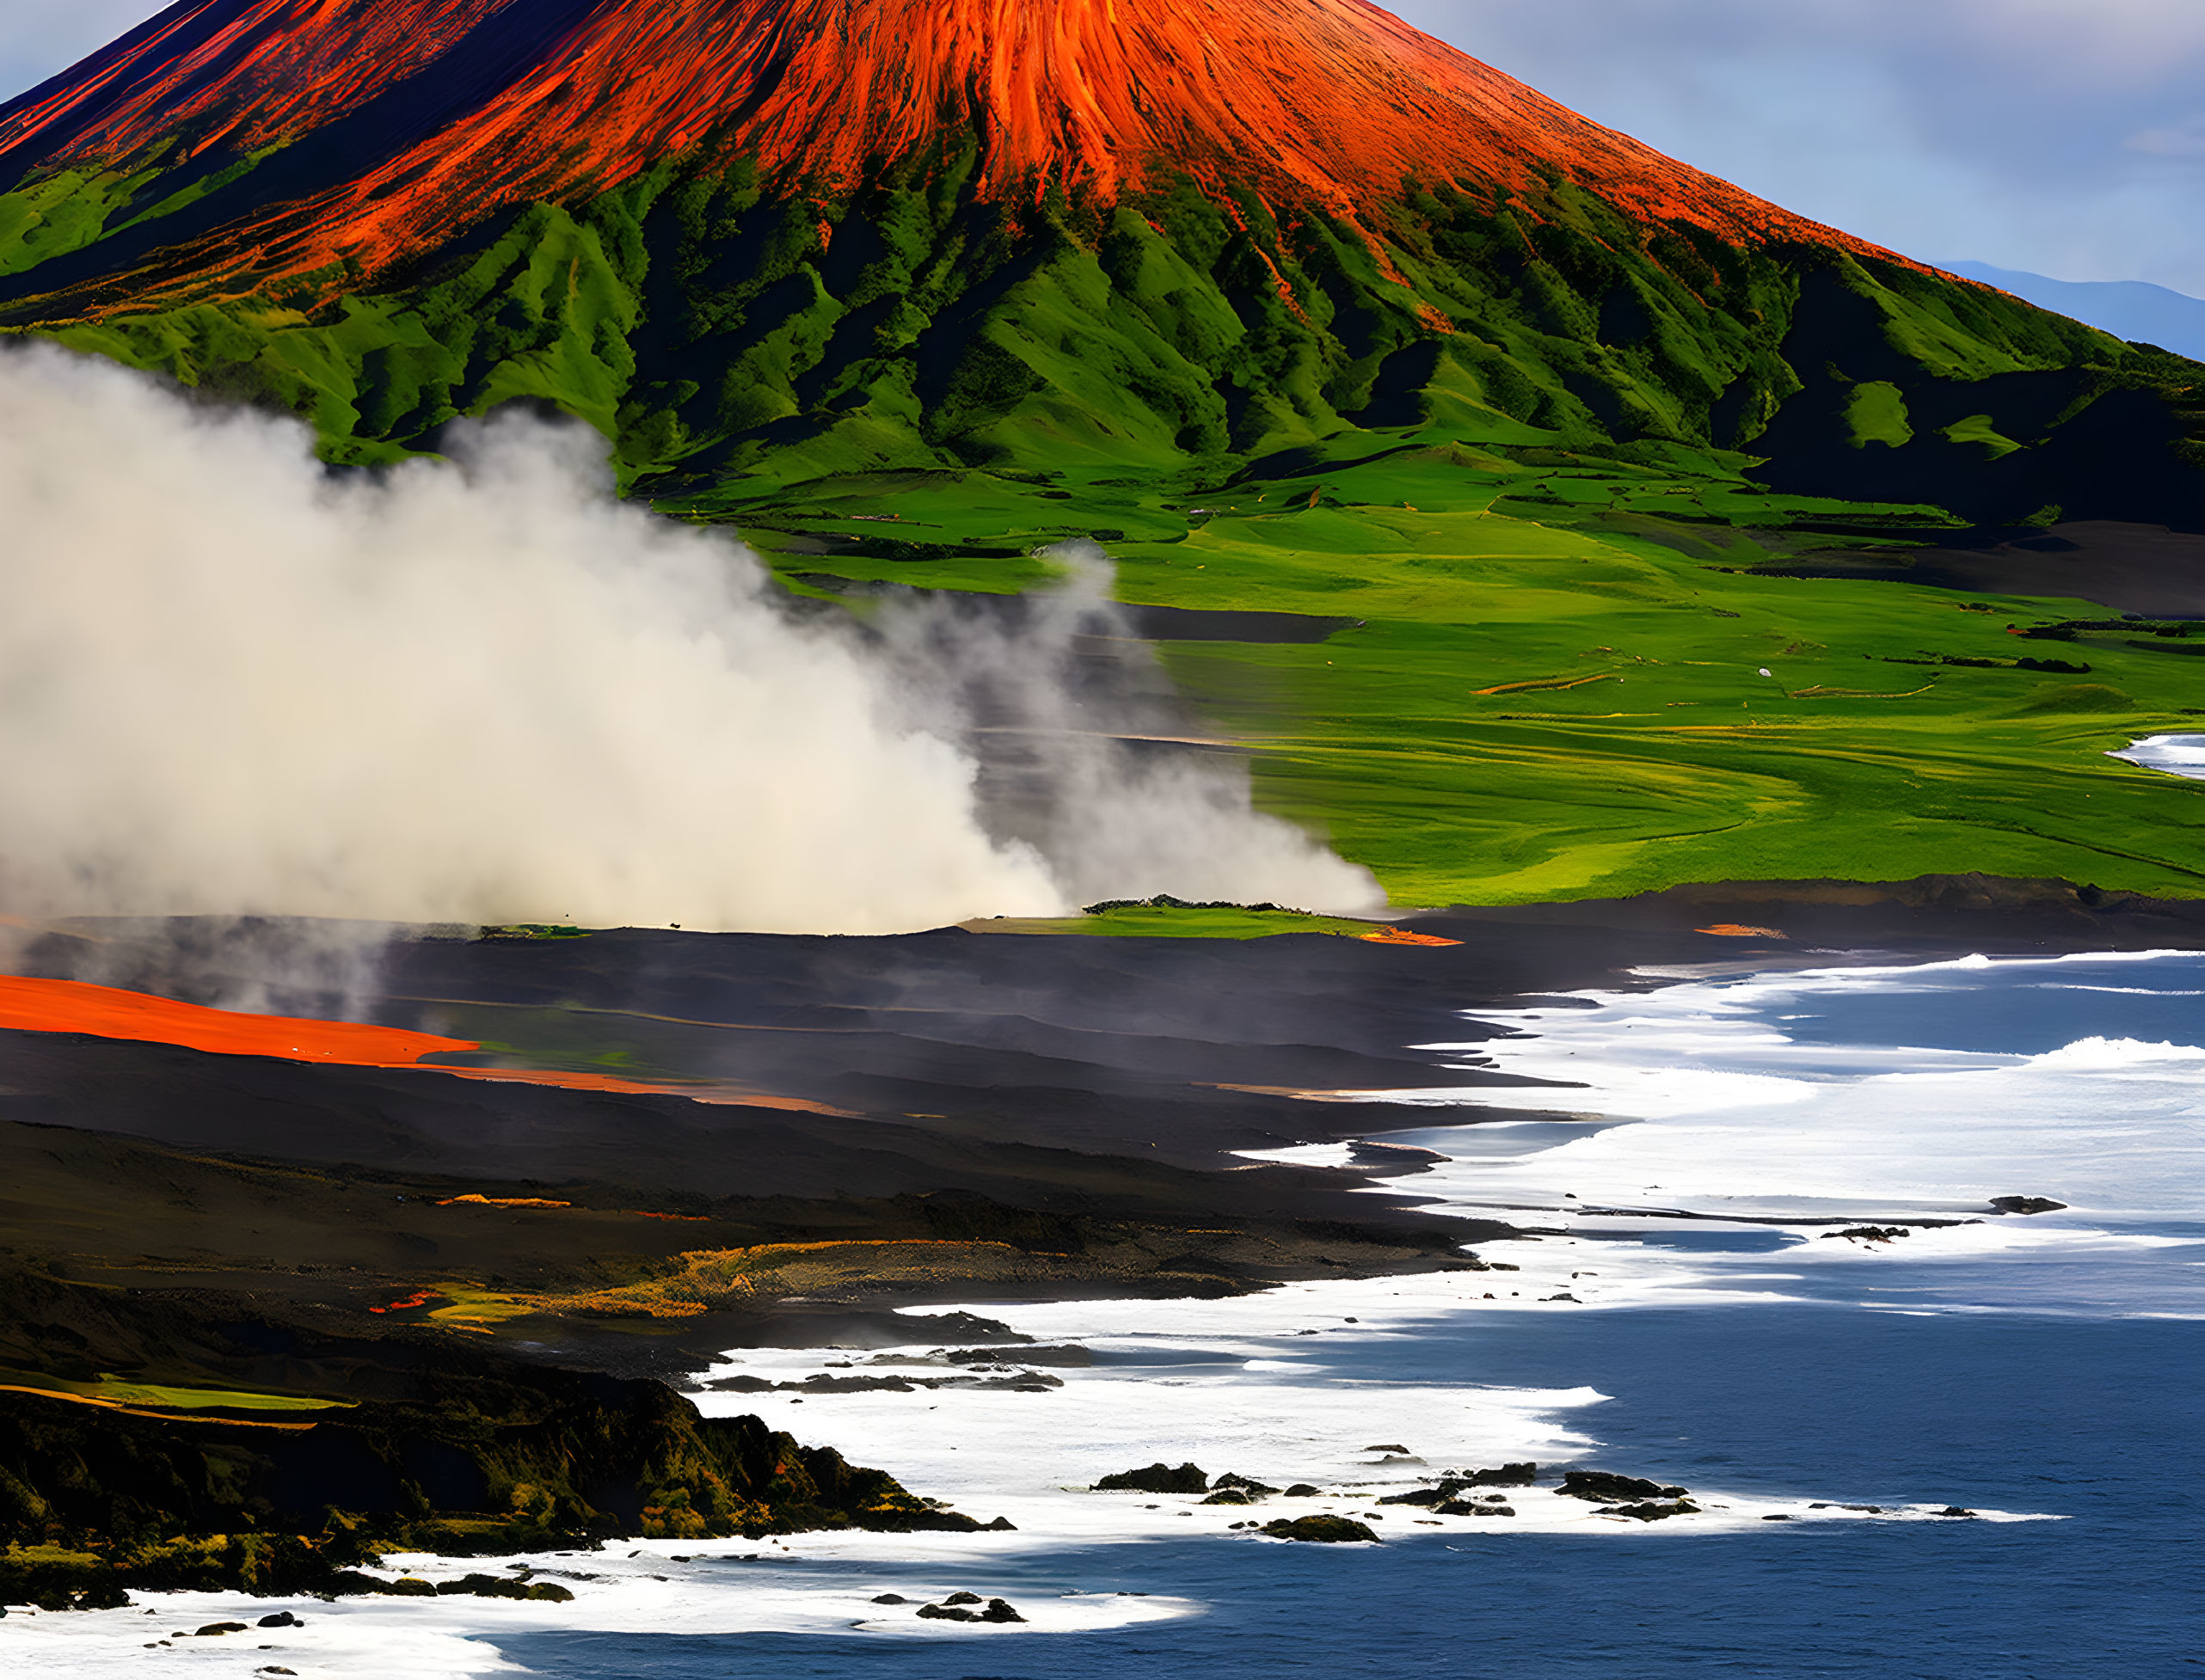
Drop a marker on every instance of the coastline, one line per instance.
(1272, 1224)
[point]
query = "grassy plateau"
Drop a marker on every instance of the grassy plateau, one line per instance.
(1548, 680)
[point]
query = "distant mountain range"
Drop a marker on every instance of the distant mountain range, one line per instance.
(771, 240)
(2132, 310)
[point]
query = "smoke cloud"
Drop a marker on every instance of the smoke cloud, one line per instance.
(481, 689)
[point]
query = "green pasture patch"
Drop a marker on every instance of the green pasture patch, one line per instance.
(470, 1308)
(164, 1396)
(58, 213)
(1877, 414)
(123, 1391)
(1187, 921)
(171, 1398)
(1983, 429)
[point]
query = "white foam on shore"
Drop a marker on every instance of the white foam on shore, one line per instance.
(792, 1585)
(2177, 755)
(1277, 1387)
(410, 1637)
(1727, 1111)
(1697, 1100)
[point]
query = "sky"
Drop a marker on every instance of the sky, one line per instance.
(2065, 138)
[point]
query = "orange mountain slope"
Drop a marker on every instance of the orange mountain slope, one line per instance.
(424, 115)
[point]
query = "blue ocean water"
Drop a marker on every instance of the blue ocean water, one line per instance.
(2072, 1398)
(2098, 1420)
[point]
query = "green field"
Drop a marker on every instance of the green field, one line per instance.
(1551, 686)
(121, 1391)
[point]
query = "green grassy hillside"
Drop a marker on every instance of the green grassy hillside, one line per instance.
(716, 333)
(1535, 450)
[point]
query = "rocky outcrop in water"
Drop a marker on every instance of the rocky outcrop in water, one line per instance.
(1509, 1475)
(1157, 1477)
(1607, 1488)
(957, 1607)
(1323, 1528)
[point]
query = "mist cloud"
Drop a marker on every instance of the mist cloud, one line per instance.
(484, 690)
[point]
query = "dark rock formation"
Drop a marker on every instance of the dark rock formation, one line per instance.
(477, 1455)
(1067, 1358)
(1652, 1511)
(1158, 1478)
(1606, 1487)
(957, 1608)
(1509, 1475)
(503, 1586)
(1324, 1529)
(2026, 1205)
(820, 1383)
(1247, 1484)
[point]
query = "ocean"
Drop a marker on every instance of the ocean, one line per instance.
(1689, 1311)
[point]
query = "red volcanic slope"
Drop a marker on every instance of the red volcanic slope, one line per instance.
(238, 76)
(1323, 103)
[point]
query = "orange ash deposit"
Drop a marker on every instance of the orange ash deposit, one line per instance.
(420, 1297)
(1402, 936)
(475, 1198)
(106, 1012)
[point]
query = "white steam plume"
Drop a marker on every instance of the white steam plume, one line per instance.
(484, 690)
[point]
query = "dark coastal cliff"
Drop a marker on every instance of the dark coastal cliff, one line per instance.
(448, 1448)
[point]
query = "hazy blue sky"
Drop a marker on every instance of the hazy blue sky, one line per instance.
(2066, 137)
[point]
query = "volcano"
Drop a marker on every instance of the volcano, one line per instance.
(437, 111)
(798, 236)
